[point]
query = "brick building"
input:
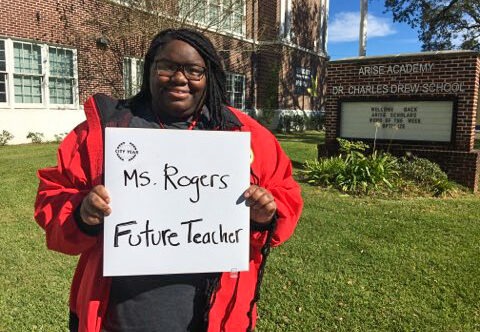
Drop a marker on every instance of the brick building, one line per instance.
(54, 54)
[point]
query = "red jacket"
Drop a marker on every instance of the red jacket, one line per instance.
(80, 168)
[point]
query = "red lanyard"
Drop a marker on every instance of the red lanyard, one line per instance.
(192, 124)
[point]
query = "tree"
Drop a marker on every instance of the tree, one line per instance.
(441, 24)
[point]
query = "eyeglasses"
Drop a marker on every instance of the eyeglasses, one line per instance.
(191, 72)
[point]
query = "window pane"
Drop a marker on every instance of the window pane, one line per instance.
(54, 63)
(214, 12)
(229, 89)
(227, 5)
(236, 90)
(3, 76)
(37, 59)
(61, 62)
(232, 16)
(198, 11)
(17, 82)
(238, 83)
(61, 91)
(227, 23)
(27, 58)
(127, 77)
(61, 81)
(193, 10)
(3, 62)
(238, 6)
(3, 88)
(36, 89)
(27, 89)
(237, 23)
(227, 15)
(185, 7)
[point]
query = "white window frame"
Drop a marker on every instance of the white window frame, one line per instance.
(45, 75)
(222, 14)
(231, 94)
(136, 70)
(41, 75)
(74, 77)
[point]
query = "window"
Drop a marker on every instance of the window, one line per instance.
(132, 76)
(3, 73)
(236, 90)
(37, 74)
(61, 82)
(226, 15)
(27, 75)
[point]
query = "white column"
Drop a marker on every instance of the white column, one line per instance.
(283, 8)
(323, 27)
(285, 18)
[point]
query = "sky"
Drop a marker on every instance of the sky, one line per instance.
(383, 35)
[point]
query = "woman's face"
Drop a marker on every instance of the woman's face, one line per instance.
(173, 94)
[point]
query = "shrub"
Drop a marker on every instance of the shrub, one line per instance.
(316, 121)
(353, 171)
(420, 169)
(288, 123)
(426, 173)
(60, 137)
(5, 136)
(265, 117)
(362, 172)
(324, 171)
(35, 137)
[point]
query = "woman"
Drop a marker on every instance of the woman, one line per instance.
(183, 87)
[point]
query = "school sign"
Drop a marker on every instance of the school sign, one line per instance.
(423, 103)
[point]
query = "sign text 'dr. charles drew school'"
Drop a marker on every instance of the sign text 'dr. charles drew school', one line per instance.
(424, 103)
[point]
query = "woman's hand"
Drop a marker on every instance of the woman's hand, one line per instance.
(262, 204)
(95, 206)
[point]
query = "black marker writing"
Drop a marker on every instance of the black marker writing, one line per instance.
(146, 237)
(141, 179)
(210, 237)
(171, 180)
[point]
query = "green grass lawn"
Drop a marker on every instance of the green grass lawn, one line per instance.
(34, 282)
(354, 264)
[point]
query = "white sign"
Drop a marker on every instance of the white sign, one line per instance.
(402, 120)
(176, 199)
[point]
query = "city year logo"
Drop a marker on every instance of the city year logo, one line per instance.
(126, 151)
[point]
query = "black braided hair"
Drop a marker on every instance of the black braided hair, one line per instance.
(215, 90)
